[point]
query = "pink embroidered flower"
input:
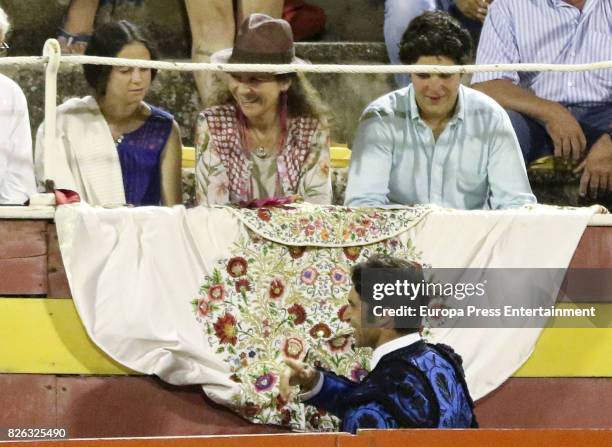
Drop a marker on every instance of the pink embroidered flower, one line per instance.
(320, 330)
(237, 266)
(225, 329)
(293, 347)
(309, 275)
(339, 343)
(304, 221)
(352, 253)
(265, 382)
(203, 306)
(309, 230)
(243, 285)
(358, 373)
(298, 313)
(277, 288)
(216, 292)
(338, 275)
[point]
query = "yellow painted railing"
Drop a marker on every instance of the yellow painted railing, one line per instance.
(340, 156)
(45, 336)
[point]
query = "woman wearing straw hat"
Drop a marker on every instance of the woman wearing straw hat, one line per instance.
(267, 135)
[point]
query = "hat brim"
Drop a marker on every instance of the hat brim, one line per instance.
(223, 57)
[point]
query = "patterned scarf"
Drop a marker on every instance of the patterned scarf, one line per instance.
(224, 128)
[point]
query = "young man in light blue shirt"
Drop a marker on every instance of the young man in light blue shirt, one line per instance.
(437, 141)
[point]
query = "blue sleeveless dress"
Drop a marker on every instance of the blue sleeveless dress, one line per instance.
(140, 158)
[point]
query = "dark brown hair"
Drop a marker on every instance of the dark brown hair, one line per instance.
(107, 41)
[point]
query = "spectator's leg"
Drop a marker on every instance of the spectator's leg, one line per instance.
(398, 14)
(212, 29)
(533, 139)
(78, 25)
(594, 121)
(273, 8)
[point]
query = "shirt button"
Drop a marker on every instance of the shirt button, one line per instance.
(573, 53)
(570, 84)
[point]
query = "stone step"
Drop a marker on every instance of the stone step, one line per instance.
(166, 21)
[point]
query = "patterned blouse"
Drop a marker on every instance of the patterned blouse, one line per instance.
(227, 173)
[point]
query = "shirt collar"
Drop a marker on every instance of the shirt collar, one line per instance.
(414, 109)
(393, 345)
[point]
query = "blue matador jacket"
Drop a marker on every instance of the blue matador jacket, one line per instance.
(417, 386)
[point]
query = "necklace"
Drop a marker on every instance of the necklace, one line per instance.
(260, 152)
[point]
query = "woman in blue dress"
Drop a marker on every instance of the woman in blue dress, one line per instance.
(113, 147)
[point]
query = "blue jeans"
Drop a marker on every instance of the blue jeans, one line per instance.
(535, 141)
(399, 13)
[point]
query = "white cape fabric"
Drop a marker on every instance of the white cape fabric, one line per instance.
(83, 157)
(133, 272)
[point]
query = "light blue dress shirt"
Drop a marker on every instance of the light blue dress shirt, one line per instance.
(550, 32)
(475, 163)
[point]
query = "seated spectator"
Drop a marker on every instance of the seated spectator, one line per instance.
(436, 141)
(267, 136)
(566, 114)
(399, 13)
(16, 165)
(412, 384)
(114, 147)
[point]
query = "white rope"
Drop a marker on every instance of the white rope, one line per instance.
(331, 68)
(307, 68)
(23, 60)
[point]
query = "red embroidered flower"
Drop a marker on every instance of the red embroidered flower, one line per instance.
(293, 347)
(225, 328)
(277, 288)
(280, 402)
(342, 313)
(265, 382)
(352, 253)
(216, 292)
(304, 221)
(339, 343)
(296, 252)
(243, 285)
(309, 275)
(250, 409)
(320, 330)
(264, 214)
(203, 307)
(298, 312)
(309, 230)
(286, 419)
(237, 267)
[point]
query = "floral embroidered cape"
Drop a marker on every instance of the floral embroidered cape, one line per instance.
(282, 293)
